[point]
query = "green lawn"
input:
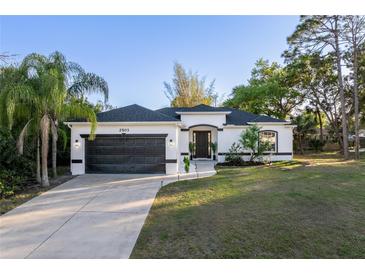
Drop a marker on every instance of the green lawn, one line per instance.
(313, 207)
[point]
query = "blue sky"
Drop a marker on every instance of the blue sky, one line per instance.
(135, 54)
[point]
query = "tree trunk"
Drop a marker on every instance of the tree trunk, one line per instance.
(54, 147)
(21, 137)
(300, 144)
(340, 139)
(356, 103)
(320, 124)
(45, 138)
(38, 159)
(345, 142)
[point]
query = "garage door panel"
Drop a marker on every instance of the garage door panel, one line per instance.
(125, 168)
(125, 155)
(124, 159)
(116, 150)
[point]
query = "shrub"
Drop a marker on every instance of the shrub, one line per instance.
(250, 140)
(214, 147)
(316, 144)
(186, 164)
(9, 183)
(233, 157)
(191, 149)
(14, 168)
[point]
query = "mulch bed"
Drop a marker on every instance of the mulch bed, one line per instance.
(30, 190)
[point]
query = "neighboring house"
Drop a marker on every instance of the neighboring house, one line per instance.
(134, 139)
(361, 136)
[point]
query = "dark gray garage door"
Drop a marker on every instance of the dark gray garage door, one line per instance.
(125, 154)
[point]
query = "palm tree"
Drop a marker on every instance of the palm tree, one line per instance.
(38, 88)
(73, 82)
(78, 84)
(14, 81)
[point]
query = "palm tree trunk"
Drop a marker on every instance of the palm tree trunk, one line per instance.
(21, 137)
(345, 142)
(38, 159)
(54, 147)
(45, 138)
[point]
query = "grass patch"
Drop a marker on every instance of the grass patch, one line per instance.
(8, 203)
(312, 207)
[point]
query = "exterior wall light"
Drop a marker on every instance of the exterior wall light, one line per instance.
(77, 144)
(171, 143)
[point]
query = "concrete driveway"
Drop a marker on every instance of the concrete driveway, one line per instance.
(90, 216)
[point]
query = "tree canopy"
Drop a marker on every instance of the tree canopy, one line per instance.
(313, 76)
(188, 89)
(270, 91)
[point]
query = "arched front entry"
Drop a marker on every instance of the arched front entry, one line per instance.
(202, 137)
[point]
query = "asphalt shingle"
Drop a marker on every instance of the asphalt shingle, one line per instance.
(133, 113)
(236, 117)
(137, 113)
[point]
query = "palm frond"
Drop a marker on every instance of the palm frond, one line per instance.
(64, 137)
(88, 83)
(77, 109)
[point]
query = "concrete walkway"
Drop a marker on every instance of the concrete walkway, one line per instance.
(90, 216)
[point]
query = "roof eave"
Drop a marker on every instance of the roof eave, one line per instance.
(270, 123)
(128, 123)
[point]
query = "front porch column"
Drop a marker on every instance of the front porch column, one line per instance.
(183, 145)
(220, 137)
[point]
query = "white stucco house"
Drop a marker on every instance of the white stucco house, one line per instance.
(134, 139)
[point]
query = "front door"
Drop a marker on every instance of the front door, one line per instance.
(202, 144)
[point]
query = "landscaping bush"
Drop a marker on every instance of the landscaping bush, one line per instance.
(14, 168)
(186, 164)
(316, 144)
(191, 149)
(214, 147)
(233, 157)
(250, 140)
(10, 183)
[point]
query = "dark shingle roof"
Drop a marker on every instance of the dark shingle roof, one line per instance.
(133, 113)
(236, 117)
(136, 113)
(240, 117)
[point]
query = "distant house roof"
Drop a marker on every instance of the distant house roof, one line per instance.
(136, 113)
(236, 117)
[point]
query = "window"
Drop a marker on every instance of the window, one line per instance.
(270, 137)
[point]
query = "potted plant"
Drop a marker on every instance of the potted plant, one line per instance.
(214, 146)
(191, 149)
(186, 164)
